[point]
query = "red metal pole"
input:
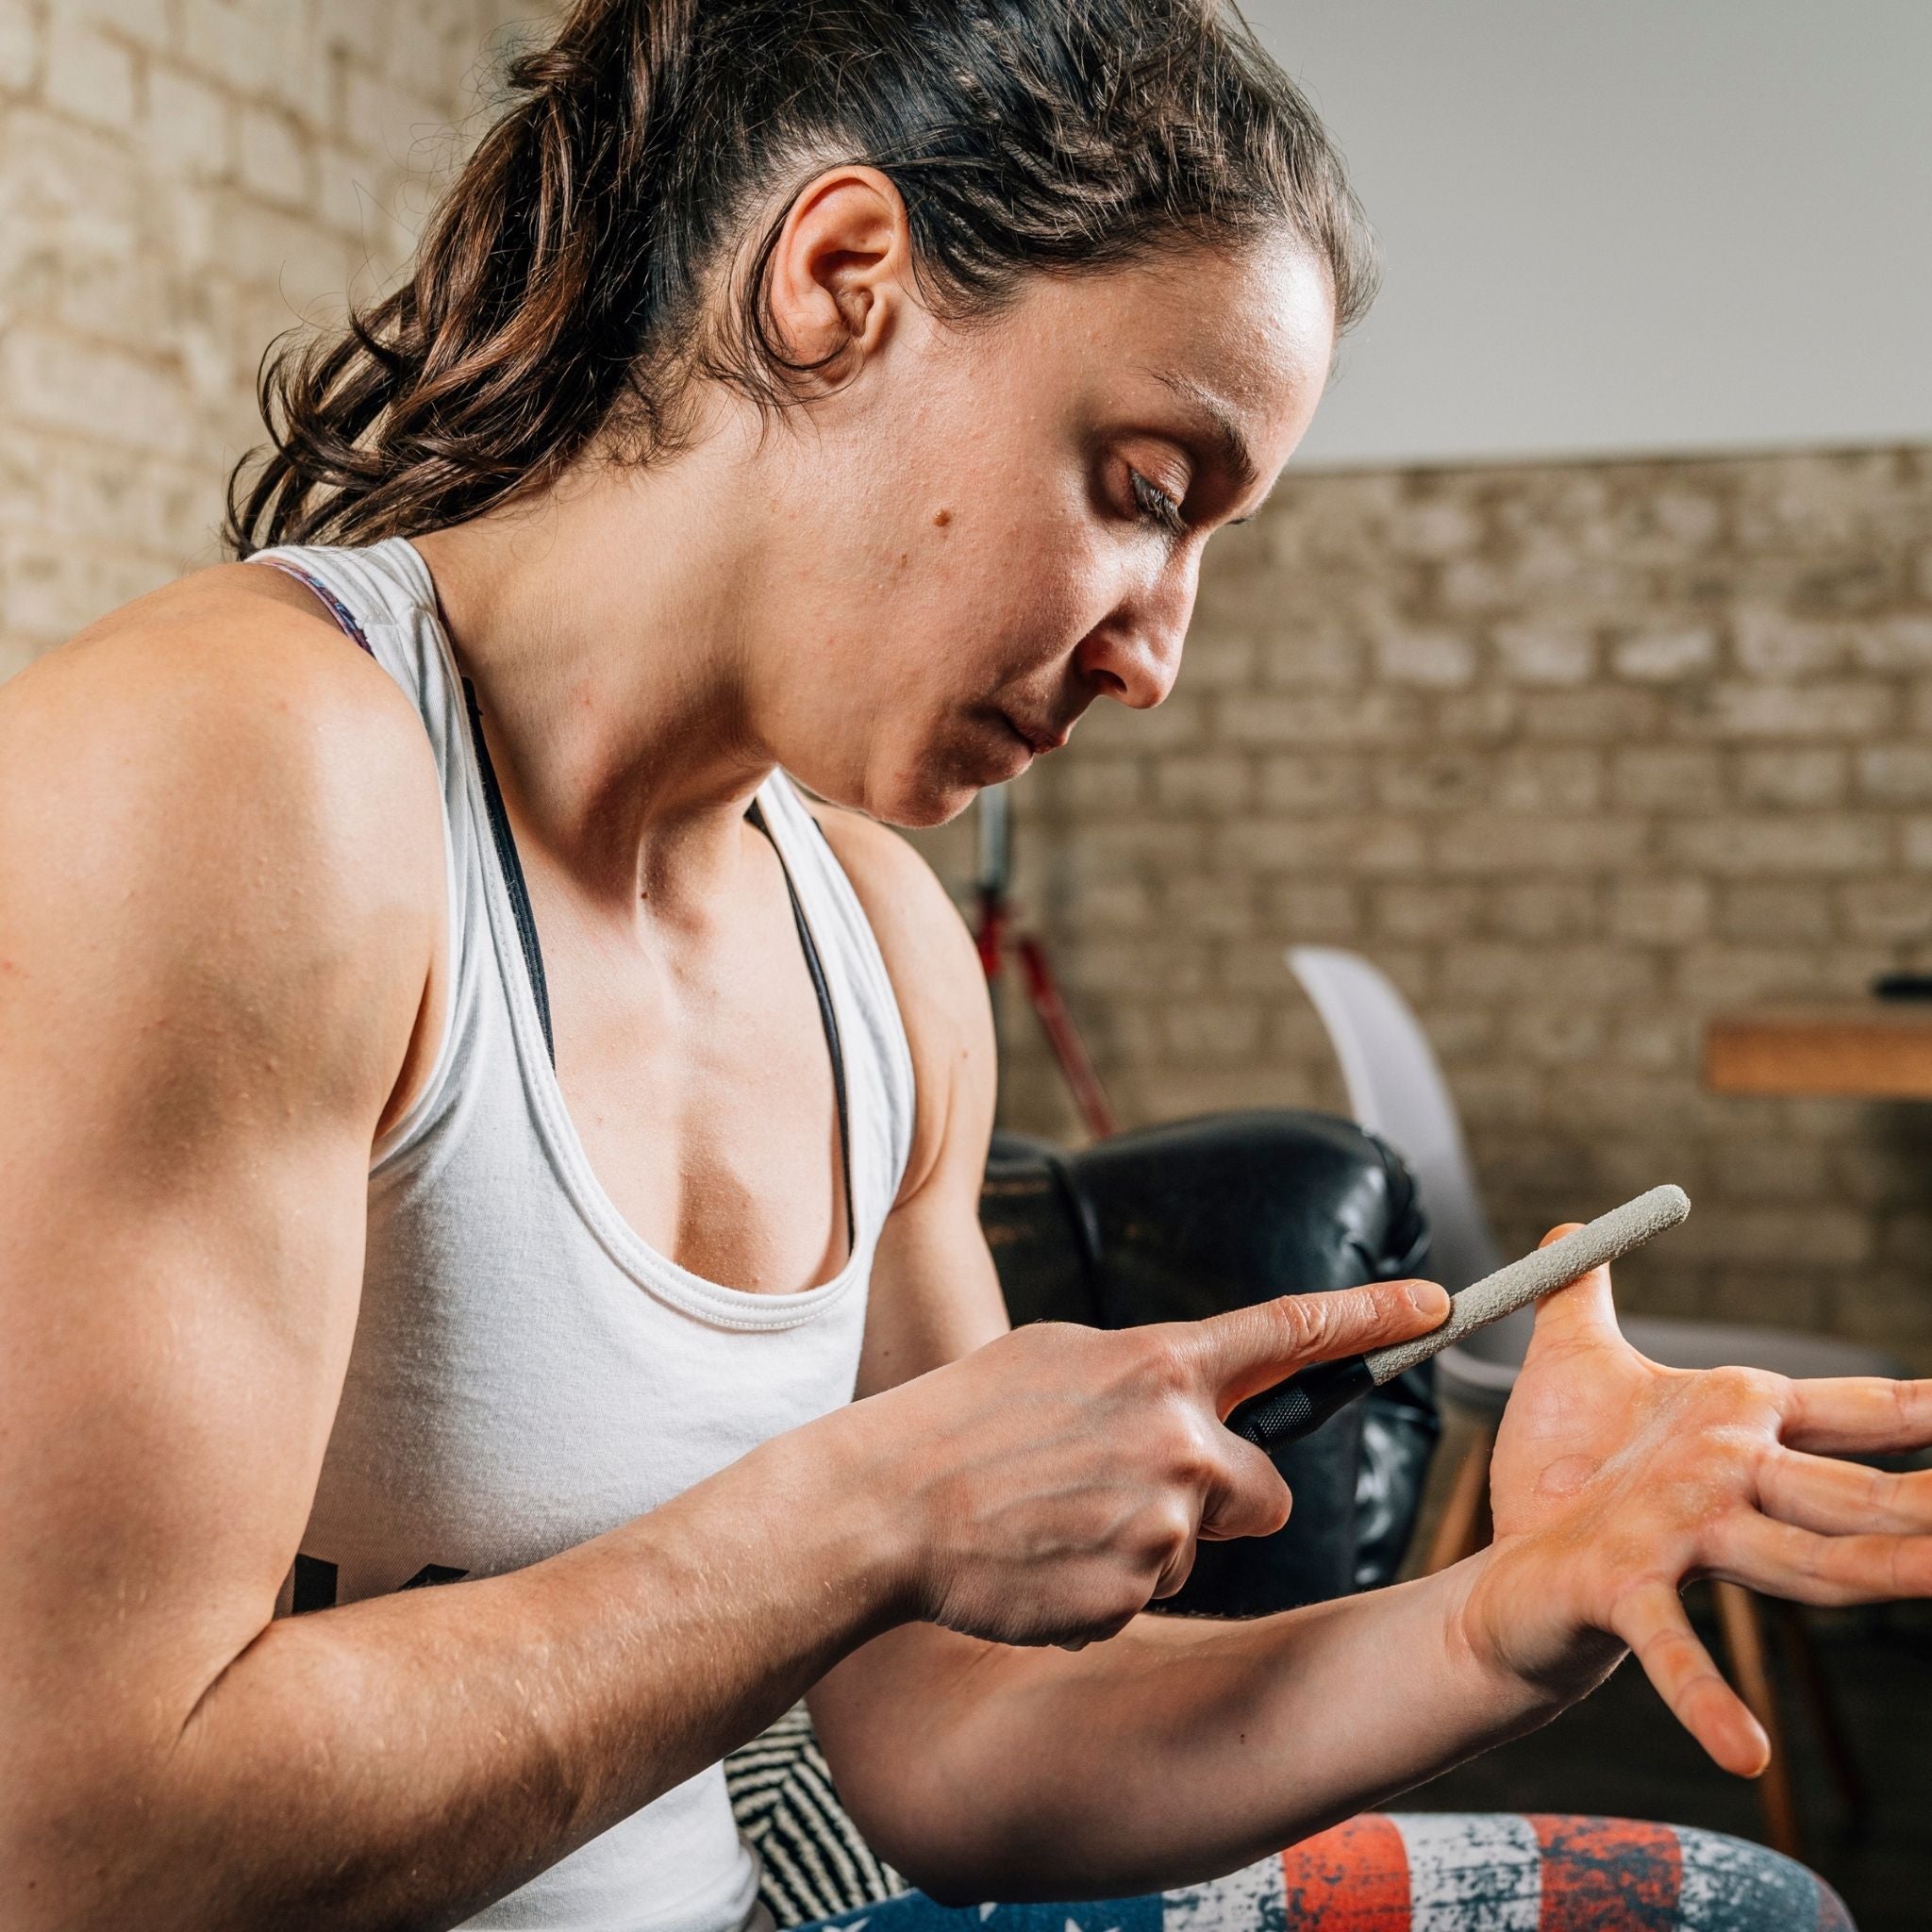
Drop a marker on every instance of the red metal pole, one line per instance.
(1069, 1049)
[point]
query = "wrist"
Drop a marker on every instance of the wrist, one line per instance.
(846, 1489)
(1511, 1623)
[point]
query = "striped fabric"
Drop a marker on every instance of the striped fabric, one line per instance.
(814, 1863)
(1445, 1872)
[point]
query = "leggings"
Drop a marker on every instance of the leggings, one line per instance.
(1444, 1872)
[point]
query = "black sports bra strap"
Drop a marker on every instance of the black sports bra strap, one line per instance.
(513, 880)
(828, 1018)
(518, 893)
(515, 885)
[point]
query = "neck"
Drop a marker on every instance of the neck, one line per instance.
(611, 674)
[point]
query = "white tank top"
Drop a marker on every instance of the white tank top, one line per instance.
(526, 1372)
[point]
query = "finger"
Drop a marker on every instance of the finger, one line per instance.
(1855, 1415)
(1818, 1492)
(1783, 1561)
(1248, 1498)
(1652, 1621)
(1583, 1313)
(1250, 1349)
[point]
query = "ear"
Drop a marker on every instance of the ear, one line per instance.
(841, 269)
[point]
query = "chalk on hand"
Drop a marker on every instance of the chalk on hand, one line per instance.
(1548, 1269)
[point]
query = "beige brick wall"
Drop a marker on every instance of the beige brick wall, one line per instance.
(1580, 754)
(179, 181)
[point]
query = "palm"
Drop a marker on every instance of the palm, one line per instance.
(1583, 1396)
(1615, 1481)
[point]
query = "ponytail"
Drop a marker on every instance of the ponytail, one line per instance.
(561, 290)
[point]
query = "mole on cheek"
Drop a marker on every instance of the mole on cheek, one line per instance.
(941, 518)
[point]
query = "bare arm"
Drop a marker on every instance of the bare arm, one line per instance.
(972, 1765)
(221, 878)
(1181, 1749)
(218, 849)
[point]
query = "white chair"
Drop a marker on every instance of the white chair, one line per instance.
(1396, 1089)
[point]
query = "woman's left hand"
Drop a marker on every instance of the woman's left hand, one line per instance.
(1616, 1481)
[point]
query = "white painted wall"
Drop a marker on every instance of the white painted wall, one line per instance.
(1622, 227)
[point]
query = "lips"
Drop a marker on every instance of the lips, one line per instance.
(1039, 739)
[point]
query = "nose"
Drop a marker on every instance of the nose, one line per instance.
(1134, 654)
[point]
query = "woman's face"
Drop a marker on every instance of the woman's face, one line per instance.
(993, 526)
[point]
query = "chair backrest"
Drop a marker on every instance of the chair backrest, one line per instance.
(1396, 1089)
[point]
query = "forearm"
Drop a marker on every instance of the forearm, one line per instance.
(1181, 1748)
(406, 1759)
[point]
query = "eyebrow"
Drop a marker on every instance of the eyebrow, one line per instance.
(1231, 446)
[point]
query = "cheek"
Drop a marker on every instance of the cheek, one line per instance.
(957, 576)
(1019, 591)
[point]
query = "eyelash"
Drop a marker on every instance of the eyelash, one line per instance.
(1157, 505)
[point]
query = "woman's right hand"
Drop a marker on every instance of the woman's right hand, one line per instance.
(1054, 1481)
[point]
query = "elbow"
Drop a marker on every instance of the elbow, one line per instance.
(955, 1856)
(917, 1842)
(944, 1891)
(937, 1871)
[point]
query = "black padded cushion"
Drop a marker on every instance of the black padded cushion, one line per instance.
(1179, 1222)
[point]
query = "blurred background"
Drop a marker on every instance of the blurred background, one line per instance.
(1579, 671)
(1578, 674)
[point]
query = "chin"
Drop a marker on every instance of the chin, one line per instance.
(929, 811)
(926, 800)
(912, 801)
(914, 788)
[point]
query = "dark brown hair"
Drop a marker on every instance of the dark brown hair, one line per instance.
(567, 282)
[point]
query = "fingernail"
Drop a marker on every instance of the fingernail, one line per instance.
(1427, 1297)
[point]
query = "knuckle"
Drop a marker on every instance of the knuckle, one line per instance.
(1174, 1576)
(1280, 1500)
(1254, 1500)
(1904, 1403)
(1188, 1454)
(1303, 1322)
(1167, 1534)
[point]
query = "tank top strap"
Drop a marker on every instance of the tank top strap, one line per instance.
(384, 598)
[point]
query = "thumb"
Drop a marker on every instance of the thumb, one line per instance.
(1583, 1313)
(1249, 1349)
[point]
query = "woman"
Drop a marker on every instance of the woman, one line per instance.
(474, 1126)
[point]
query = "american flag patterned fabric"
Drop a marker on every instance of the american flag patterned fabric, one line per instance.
(1444, 1872)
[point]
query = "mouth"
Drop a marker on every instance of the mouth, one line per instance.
(1037, 739)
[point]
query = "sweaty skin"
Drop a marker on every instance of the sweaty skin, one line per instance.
(222, 973)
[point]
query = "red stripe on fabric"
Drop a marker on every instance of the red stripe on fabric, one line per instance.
(1354, 1878)
(1600, 1871)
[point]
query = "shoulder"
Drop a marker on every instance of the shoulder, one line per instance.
(216, 786)
(231, 681)
(936, 976)
(918, 926)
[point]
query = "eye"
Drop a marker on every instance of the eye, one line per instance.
(1157, 505)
